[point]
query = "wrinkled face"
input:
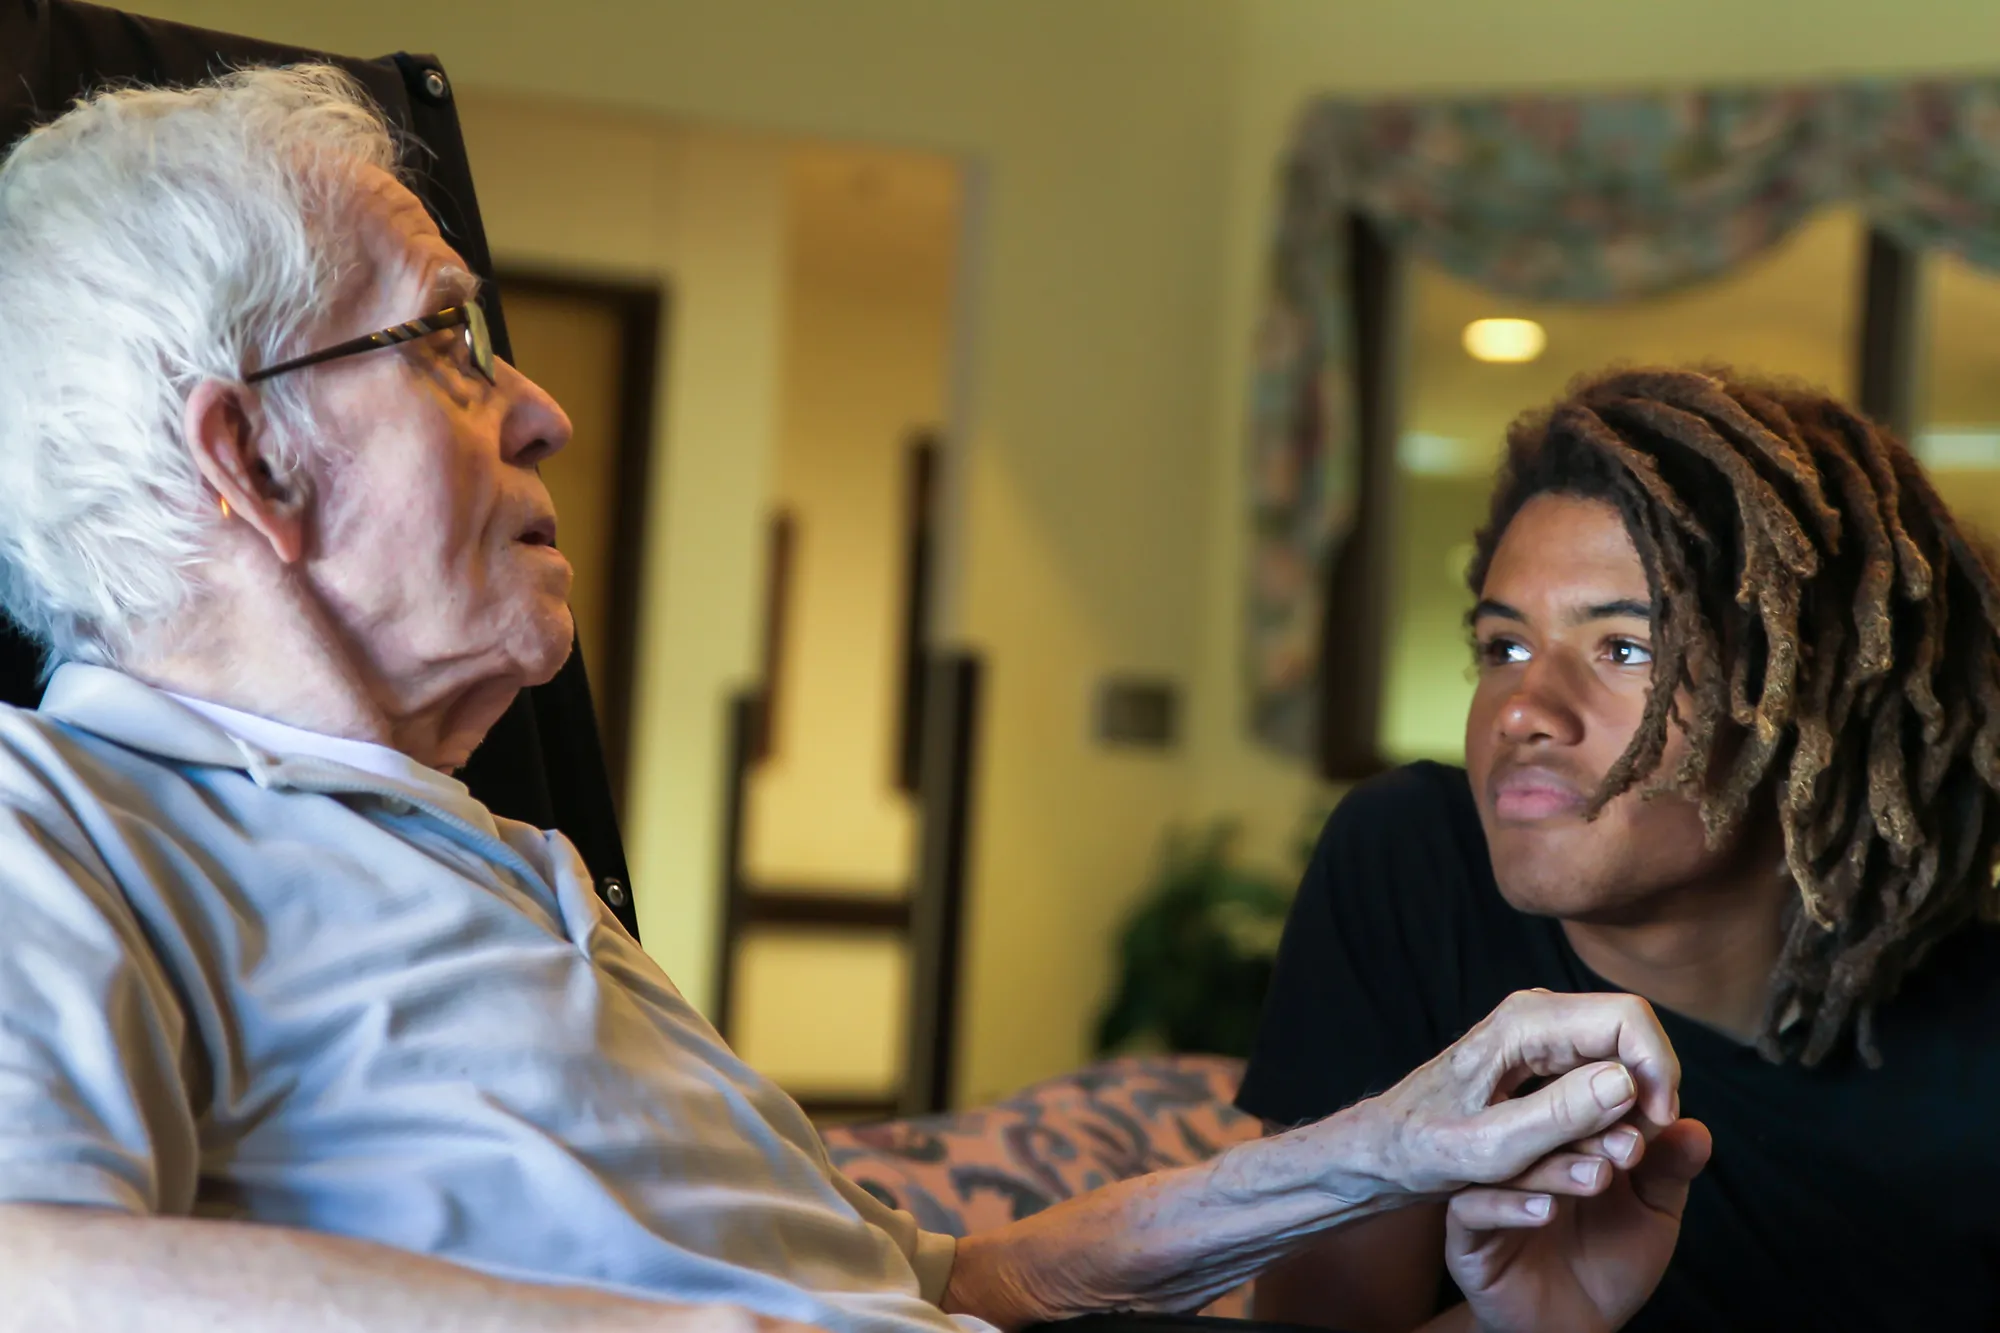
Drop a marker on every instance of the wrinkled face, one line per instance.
(1564, 645)
(431, 538)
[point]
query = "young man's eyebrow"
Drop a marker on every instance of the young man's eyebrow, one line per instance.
(1623, 608)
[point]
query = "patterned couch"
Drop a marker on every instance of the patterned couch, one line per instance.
(976, 1170)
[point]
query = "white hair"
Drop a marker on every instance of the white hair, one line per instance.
(151, 239)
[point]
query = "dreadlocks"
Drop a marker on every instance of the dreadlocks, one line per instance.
(1834, 634)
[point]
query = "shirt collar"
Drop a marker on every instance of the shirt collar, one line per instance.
(131, 713)
(282, 738)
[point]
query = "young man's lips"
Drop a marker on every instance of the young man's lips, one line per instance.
(1529, 797)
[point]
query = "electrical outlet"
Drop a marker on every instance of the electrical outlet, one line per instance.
(1137, 711)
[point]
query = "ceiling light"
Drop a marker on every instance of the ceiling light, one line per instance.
(1424, 454)
(1974, 448)
(1511, 341)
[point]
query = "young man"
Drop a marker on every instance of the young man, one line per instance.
(1735, 748)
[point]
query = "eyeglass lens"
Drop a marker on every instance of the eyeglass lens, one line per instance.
(480, 339)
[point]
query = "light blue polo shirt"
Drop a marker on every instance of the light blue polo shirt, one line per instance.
(241, 978)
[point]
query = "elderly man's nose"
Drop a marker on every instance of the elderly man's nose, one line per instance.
(536, 425)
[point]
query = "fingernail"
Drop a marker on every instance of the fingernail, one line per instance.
(1585, 1173)
(1675, 1109)
(1538, 1205)
(1623, 1142)
(1612, 1087)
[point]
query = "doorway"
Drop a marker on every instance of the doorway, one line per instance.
(837, 957)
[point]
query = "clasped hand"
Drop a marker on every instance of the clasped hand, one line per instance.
(1565, 1202)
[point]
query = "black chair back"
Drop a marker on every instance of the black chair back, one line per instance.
(543, 763)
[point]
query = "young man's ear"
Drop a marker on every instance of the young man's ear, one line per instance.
(224, 428)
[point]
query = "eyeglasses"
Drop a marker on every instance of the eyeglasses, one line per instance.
(478, 342)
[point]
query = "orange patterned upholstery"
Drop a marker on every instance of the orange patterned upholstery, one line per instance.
(977, 1170)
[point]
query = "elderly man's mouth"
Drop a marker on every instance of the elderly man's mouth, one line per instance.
(542, 532)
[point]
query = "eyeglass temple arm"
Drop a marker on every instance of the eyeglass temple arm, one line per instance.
(367, 342)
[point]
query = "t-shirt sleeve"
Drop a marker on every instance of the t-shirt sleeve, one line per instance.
(1355, 1000)
(94, 1102)
(931, 1255)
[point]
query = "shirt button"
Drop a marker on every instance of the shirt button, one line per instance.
(614, 890)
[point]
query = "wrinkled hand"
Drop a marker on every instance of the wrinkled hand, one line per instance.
(1456, 1122)
(1528, 1261)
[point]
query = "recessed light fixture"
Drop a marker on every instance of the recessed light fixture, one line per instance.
(1424, 454)
(1508, 341)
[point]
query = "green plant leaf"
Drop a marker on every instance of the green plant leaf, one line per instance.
(1195, 954)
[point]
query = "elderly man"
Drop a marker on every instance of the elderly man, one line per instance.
(298, 1035)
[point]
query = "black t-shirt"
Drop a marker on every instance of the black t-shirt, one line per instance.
(1839, 1197)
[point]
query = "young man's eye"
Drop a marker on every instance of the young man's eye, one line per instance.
(1628, 652)
(1500, 652)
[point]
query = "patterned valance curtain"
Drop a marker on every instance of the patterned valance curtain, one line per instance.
(1587, 199)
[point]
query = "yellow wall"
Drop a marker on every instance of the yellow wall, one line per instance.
(871, 247)
(1124, 149)
(823, 1015)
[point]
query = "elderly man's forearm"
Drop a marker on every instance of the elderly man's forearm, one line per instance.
(78, 1270)
(1175, 1240)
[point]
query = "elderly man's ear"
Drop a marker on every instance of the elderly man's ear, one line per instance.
(225, 428)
